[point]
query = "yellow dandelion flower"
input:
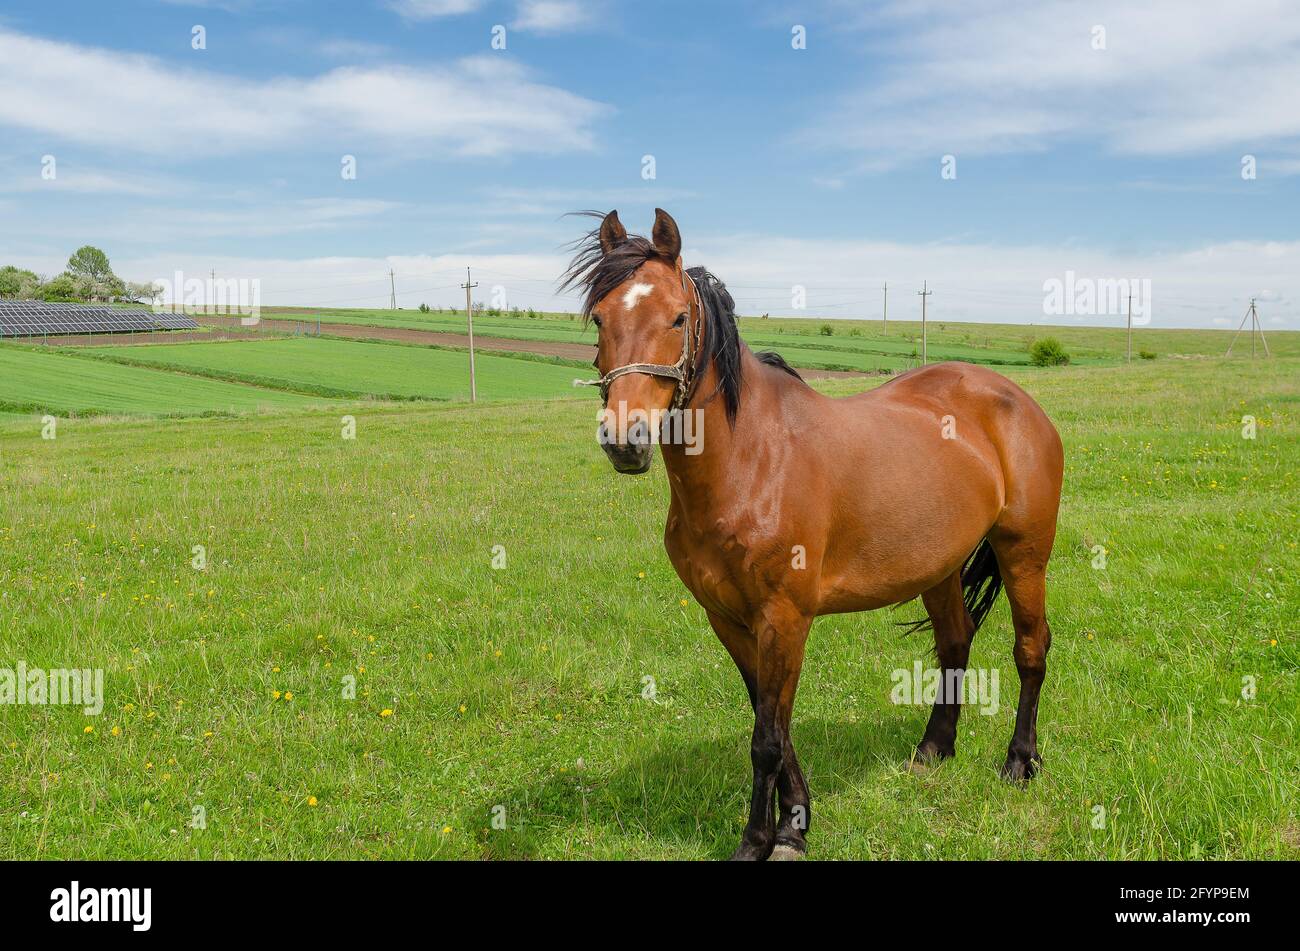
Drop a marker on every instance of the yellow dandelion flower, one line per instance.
(89, 729)
(684, 602)
(446, 830)
(311, 801)
(275, 694)
(116, 731)
(640, 574)
(386, 712)
(462, 708)
(275, 670)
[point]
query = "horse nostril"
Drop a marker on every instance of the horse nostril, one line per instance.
(638, 434)
(602, 435)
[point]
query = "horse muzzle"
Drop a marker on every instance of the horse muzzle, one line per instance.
(633, 456)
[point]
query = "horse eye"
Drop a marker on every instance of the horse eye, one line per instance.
(680, 321)
(595, 320)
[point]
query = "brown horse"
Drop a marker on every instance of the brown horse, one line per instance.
(943, 483)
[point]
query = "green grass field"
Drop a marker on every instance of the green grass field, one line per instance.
(35, 382)
(865, 345)
(516, 693)
(348, 368)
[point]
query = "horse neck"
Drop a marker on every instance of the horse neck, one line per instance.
(696, 479)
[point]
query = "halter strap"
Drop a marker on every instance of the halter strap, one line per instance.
(683, 371)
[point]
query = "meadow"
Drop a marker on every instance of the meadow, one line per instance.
(347, 368)
(864, 345)
(33, 381)
(432, 640)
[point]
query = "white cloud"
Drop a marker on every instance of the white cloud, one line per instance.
(474, 107)
(996, 283)
(351, 49)
(1206, 287)
(551, 16)
(430, 9)
(1022, 75)
(174, 225)
(78, 179)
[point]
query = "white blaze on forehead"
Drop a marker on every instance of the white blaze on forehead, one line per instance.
(635, 293)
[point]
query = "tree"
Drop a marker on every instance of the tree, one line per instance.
(65, 287)
(16, 283)
(1048, 352)
(91, 263)
(141, 293)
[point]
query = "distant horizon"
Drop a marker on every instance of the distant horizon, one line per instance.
(815, 317)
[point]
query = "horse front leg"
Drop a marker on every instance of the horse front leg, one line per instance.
(791, 788)
(780, 633)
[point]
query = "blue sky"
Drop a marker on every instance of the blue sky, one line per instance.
(817, 167)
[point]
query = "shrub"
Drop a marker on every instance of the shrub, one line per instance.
(424, 308)
(827, 330)
(1146, 355)
(1048, 352)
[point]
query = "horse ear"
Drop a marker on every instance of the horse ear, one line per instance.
(612, 232)
(667, 239)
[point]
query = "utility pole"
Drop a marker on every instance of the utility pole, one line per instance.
(884, 314)
(469, 285)
(1130, 327)
(392, 291)
(1253, 316)
(924, 292)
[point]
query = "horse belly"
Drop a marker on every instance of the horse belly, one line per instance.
(910, 528)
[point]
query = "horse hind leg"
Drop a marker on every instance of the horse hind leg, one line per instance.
(954, 630)
(1023, 565)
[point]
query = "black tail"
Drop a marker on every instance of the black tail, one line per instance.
(981, 583)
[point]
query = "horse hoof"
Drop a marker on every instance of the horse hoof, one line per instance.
(1019, 770)
(787, 853)
(926, 757)
(749, 853)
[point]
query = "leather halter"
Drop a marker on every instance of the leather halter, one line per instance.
(683, 371)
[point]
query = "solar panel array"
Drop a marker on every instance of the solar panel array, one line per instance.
(24, 318)
(166, 321)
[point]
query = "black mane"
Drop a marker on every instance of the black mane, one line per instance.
(598, 273)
